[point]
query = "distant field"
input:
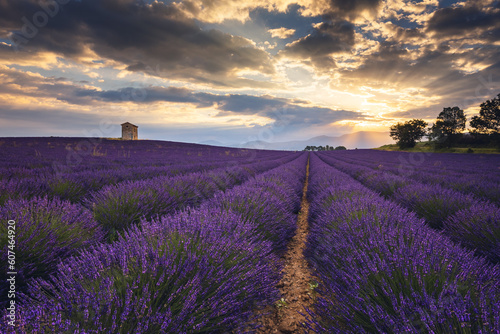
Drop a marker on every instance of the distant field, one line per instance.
(111, 236)
(427, 147)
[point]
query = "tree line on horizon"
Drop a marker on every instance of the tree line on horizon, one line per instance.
(324, 148)
(450, 124)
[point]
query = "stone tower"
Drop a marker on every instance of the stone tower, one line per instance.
(129, 131)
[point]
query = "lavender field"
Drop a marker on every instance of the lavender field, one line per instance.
(159, 237)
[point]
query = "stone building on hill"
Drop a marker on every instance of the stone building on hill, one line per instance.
(129, 131)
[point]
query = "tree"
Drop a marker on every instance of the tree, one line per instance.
(488, 121)
(434, 133)
(450, 123)
(406, 134)
(340, 148)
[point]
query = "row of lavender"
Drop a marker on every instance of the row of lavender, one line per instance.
(118, 206)
(199, 270)
(75, 186)
(444, 163)
(479, 176)
(74, 182)
(384, 270)
(80, 154)
(466, 219)
(49, 229)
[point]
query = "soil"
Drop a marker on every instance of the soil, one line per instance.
(284, 316)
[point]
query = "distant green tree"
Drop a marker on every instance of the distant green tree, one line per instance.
(340, 148)
(406, 134)
(323, 148)
(450, 123)
(488, 121)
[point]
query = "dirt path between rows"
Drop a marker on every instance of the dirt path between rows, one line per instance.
(295, 285)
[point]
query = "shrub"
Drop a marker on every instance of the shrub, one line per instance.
(273, 222)
(23, 188)
(120, 206)
(47, 230)
(402, 278)
(67, 189)
(477, 227)
(385, 183)
(433, 203)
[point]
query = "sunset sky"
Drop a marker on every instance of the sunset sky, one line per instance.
(236, 71)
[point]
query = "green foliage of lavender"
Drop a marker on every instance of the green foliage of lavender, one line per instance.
(67, 189)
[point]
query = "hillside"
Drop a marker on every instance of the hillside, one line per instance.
(362, 139)
(428, 147)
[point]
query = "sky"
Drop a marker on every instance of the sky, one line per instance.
(236, 71)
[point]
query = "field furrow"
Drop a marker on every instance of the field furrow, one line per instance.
(297, 283)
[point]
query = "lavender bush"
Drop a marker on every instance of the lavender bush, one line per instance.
(47, 230)
(118, 206)
(16, 189)
(476, 175)
(477, 227)
(269, 202)
(71, 168)
(433, 203)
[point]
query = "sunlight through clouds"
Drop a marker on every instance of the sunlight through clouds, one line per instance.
(332, 66)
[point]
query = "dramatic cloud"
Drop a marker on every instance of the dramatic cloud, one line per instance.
(155, 38)
(221, 10)
(295, 112)
(282, 33)
(239, 67)
(350, 8)
(327, 38)
(460, 21)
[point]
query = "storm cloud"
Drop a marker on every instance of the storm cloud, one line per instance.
(155, 38)
(459, 21)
